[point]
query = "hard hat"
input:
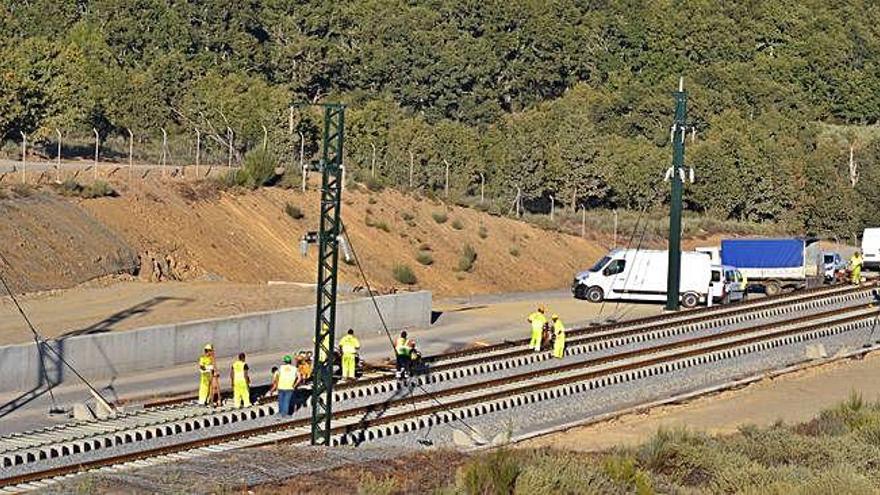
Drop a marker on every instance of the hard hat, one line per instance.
(209, 347)
(541, 308)
(287, 359)
(555, 317)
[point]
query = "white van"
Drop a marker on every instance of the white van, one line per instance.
(871, 248)
(726, 284)
(640, 275)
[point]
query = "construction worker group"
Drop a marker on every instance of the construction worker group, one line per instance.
(286, 378)
(543, 331)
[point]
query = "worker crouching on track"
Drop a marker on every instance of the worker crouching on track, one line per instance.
(241, 383)
(402, 351)
(207, 363)
(286, 382)
(349, 346)
(558, 337)
(537, 320)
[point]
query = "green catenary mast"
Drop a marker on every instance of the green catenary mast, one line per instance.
(328, 258)
(677, 134)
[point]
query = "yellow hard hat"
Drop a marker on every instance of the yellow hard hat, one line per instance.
(555, 317)
(209, 347)
(542, 308)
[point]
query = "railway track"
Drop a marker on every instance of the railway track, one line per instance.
(389, 415)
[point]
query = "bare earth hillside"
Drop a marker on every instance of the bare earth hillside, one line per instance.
(191, 230)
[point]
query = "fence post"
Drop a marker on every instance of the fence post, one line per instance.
(615, 228)
(198, 149)
(302, 165)
(583, 220)
(482, 186)
(164, 149)
(446, 187)
(23, 157)
(373, 161)
(552, 206)
(411, 160)
(58, 157)
(229, 136)
(97, 141)
(130, 151)
(265, 138)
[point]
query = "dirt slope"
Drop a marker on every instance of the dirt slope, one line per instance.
(188, 231)
(50, 243)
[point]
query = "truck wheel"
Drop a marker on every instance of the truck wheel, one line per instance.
(595, 294)
(772, 288)
(690, 300)
(580, 292)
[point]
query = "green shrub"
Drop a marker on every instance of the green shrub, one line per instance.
(425, 247)
(381, 224)
(404, 275)
(551, 473)
(22, 190)
(425, 258)
(440, 217)
(373, 184)
(514, 251)
(258, 169)
(457, 225)
(371, 485)
(494, 473)
(98, 189)
(467, 258)
(293, 211)
(483, 232)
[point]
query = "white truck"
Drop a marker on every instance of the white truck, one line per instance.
(640, 275)
(871, 248)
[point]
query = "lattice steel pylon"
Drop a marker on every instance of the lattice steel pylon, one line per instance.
(328, 259)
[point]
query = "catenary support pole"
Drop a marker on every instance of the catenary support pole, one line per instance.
(23, 157)
(97, 144)
(679, 130)
(328, 264)
(130, 151)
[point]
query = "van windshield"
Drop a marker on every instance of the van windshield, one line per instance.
(599, 264)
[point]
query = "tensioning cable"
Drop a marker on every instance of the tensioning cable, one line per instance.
(388, 332)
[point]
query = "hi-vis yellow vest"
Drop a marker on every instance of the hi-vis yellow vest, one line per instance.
(286, 377)
(538, 319)
(238, 371)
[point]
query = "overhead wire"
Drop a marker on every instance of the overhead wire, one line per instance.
(369, 288)
(42, 345)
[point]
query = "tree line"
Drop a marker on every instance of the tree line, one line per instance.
(562, 97)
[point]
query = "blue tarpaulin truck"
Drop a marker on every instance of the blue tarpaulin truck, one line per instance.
(775, 264)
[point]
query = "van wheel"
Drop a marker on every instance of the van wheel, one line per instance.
(595, 294)
(772, 288)
(690, 300)
(580, 292)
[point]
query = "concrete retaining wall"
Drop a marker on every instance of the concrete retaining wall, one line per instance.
(108, 355)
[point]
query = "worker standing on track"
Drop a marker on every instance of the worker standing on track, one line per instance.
(287, 382)
(241, 383)
(206, 372)
(537, 320)
(558, 337)
(402, 352)
(855, 264)
(349, 346)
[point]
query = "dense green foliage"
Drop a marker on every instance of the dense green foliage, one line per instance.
(560, 97)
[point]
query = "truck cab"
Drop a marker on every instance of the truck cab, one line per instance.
(726, 284)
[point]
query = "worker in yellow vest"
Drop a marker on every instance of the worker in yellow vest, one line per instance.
(287, 381)
(537, 319)
(402, 351)
(558, 337)
(855, 263)
(325, 344)
(241, 383)
(349, 346)
(206, 372)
